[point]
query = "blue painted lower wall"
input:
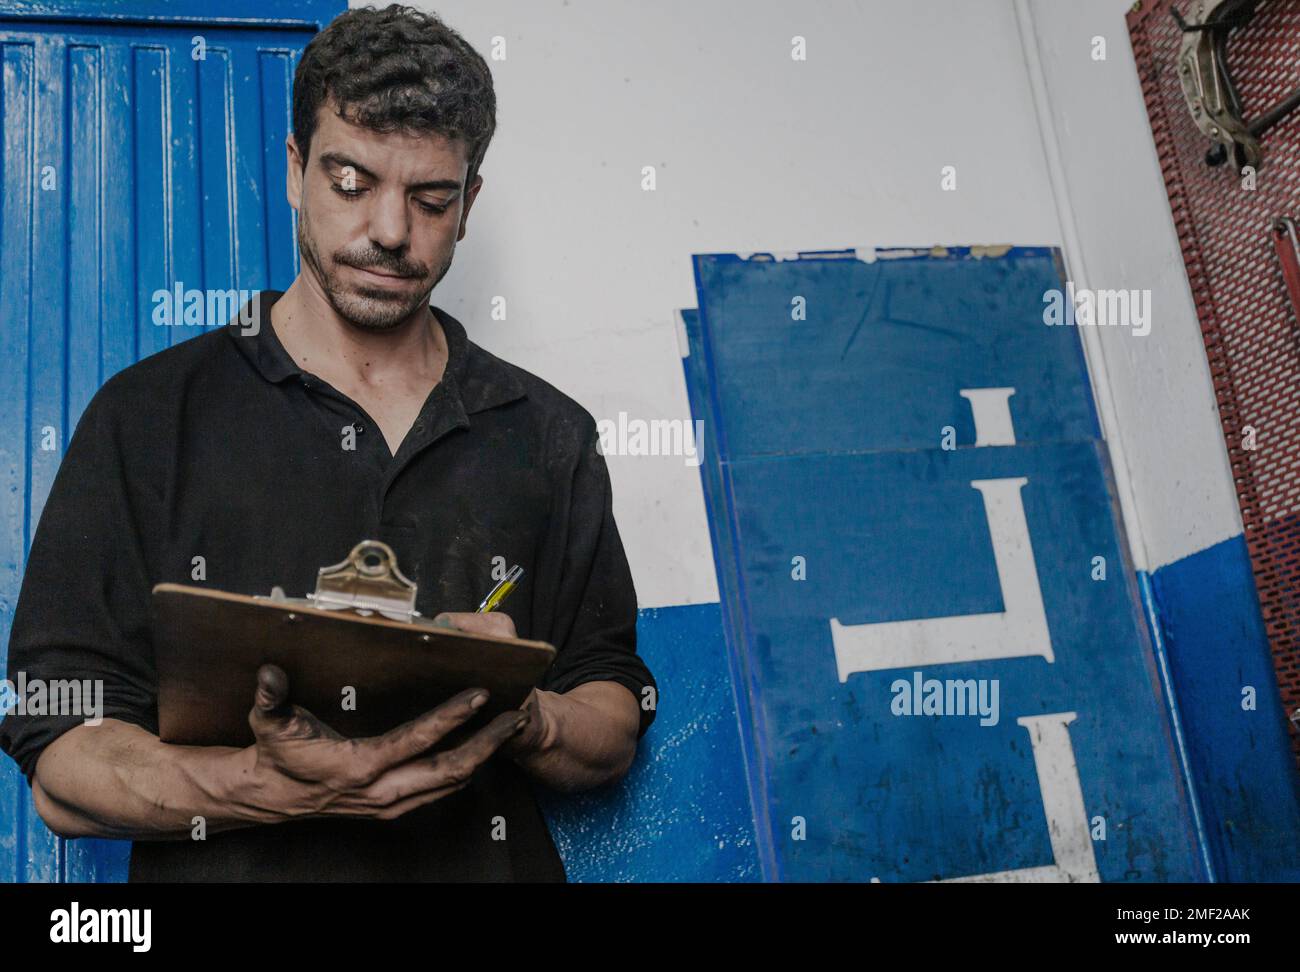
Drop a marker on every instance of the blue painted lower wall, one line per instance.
(683, 813)
(1240, 760)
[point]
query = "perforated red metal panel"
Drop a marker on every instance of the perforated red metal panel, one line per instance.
(1252, 337)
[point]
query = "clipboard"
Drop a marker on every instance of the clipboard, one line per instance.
(358, 655)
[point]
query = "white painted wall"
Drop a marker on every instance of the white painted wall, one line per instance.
(1113, 198)
(755, 151)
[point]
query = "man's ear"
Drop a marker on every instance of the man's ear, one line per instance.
(293, 171)
(470, 194)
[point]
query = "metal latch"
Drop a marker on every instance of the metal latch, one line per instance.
(367, 582)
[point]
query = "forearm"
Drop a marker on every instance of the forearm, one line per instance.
(118, 780)
(590, 739)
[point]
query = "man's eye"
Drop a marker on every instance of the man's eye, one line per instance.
(430, 208)
(350, 193)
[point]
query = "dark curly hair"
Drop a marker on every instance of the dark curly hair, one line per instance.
(396, 68)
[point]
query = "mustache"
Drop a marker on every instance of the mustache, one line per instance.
(385, 262)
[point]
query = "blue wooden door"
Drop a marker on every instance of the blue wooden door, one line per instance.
(143, 149)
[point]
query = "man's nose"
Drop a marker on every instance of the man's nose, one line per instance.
(390, 221)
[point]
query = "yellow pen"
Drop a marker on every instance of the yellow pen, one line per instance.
(504, 587)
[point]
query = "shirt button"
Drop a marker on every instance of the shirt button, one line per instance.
(360, 428)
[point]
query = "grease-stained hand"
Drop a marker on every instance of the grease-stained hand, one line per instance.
(298, 766)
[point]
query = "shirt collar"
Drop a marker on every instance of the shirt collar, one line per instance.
(480, 378)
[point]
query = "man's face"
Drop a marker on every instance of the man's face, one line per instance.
(379, 216)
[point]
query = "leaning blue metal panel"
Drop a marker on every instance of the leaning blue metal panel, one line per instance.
(907, 319)
(715, 485)
(1240, 753)
(830, 443)
(898, 535)
(167, 169)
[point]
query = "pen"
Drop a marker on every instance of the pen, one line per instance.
(504, 587)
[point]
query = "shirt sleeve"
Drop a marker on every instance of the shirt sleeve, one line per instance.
(595, 616)
(83, 609)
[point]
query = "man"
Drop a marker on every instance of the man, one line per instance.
(250, 456)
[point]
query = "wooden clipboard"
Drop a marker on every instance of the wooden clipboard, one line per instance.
(357, 654)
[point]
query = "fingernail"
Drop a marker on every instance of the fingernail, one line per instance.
(521, 723)
(478, 700)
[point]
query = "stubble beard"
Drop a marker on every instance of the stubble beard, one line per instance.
(366, 308)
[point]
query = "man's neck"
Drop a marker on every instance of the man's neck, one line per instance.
(320, 342)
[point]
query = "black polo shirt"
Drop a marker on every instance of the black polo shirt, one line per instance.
(221, 448)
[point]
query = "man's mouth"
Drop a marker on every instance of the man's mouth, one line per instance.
(382, 275)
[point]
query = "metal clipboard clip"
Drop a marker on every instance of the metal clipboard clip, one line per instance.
(367, 582)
